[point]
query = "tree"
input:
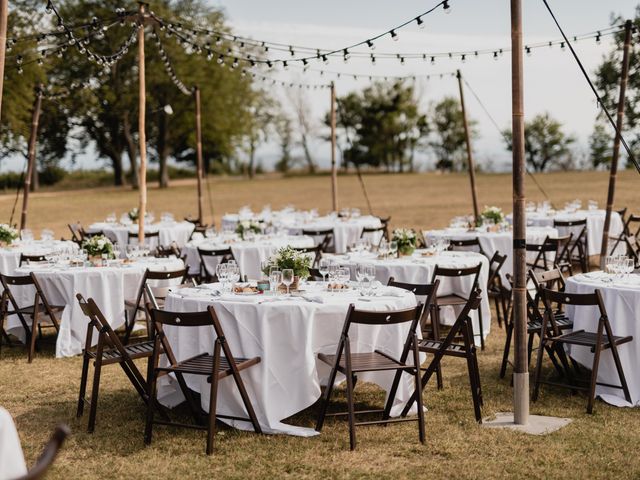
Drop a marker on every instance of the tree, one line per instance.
(600, 146)
(381, 127)
(305, 124)
(545, 144)
(448, 139)
(284, 131)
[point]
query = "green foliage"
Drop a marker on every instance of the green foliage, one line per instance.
(98, 245)
(287, 257)
(545, 144)
(600, 146)
(448, 140)
(381, 127)
(7, 233)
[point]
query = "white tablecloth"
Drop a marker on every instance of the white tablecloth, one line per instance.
(419, 269)
(248, 254)
(492, 242)
(108, 286)
(287, 334)
(595, 224)
(178, 232)
(622, 302)
(11, 458)
(10, 256)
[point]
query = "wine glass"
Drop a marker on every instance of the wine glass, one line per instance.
(46, 235)
(323, 268)
(393, 248)
(26, 235)
(383, 248)
(344, 275)
(360, 273)
(221, 273)
(287, 278)
(111, 217)
(233, 274)
(629, 266)
(275, 279)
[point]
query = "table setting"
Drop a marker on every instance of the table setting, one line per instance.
(287, 331)
(170, 230)
(10, 253)
(620, 290)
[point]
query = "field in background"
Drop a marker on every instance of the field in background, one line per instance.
(412, 200)
(44, 393)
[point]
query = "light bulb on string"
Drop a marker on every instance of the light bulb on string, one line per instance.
(49, 8)
(291, 51)
(402, 61)
(325, 60)
(371, 45)
(463, 58)
(446, 7)
(285, 65)
(218, 41)
(433, 60)
(420, 23)
(495, 56)
(373, 59)
(562, 45)
(394, 35)
(598, 38)
(528, 50)
(345, 55)
(235, 63)
(20, 70)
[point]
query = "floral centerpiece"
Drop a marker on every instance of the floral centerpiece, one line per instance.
(287, 257)
(133, 214)
(245, 226)
(492, 216)
(7, 234)
(97, 246)
(406, 240)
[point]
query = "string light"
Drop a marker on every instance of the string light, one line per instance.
(394, 35)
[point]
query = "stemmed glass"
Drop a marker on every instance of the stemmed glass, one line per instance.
(221, 273)
(344, 274)
(383, 248)
(233, 274)
(287, 278)
(275, 279)
(323, 268)
(629, 265)
(333, 272)
(393, 248)
(360, 273)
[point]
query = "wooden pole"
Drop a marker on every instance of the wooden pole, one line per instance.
(334, 169)
(521, 367)
(624, 76)
(470, 164)
(199, 162)
(142, 137)
(4, 15)
(31, 156)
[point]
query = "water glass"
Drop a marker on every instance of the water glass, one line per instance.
(275, 279)
(393, 248)
(287, 278)
(323, 268)
(46, 235)
(26, 235)
(360, 273)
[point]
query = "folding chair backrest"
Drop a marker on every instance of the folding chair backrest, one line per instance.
(364, 317)
(577, 227)
(552, 279)
(562, 299)
(426, 293)
(182, 319)
(466, 245)
(168, 251)
(8, 281)
(495, 265)
(633, 248)
(48, 455)
(622, 212)
(325, 237)
(315, 253)
(97, 318)
(31, 258)
(225, 254)
(458, 272)
(372, 232)
(632, 225)
(147, 235)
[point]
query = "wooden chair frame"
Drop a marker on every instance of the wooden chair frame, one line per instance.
(226, 254)
(496, 289)
(578, 248)
(328, 237)
(49, 454)
(466, 244)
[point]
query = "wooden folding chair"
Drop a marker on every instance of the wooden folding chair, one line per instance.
(325, 237)
(40, 311)
(447, 347)
(633, 249)
(578, 249)
(598, 341)
(495, 288)
(76, 232)
(385, 224)
(48, 455)
(315, 251)
(148, 237)
(466, 245)
(350, 364)
(108, 351)
(132, 307)
(371, 233)
(454, 300)
(168, 251)
(552, 251)
(224, 254)
(27, 259)
(215, 367)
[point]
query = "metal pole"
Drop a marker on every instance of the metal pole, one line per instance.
(471, 166)
(4, 14)
(624, 76)
(521, 367)
(199, 162)
(142, 137)
(31, 157)
(334, 170)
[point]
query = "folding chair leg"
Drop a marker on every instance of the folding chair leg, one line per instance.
(536, 383)
(213, 392)
(594, 378)
(418, 385)
(481, 328)
(32, 338)
(148, 428)
(350, 407)
(93, 406)
(436, 336)
(327, 394)
(474, 376)
(83, 385)
(507, 349)
(623, 380)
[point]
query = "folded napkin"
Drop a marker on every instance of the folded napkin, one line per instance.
(314, 298)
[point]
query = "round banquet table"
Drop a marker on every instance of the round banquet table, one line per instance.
(419, 269)
(10, 256)
(12, 463)
(492, 242)
(287, 334)
(108, 286)
(622, 302)
(595, 224)
(248, 254)
(178, 232)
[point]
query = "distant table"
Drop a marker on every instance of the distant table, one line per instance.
(287, 334)
(11, 457)
(622, 302)
(10, 256)
(178, 232)
(108, 286)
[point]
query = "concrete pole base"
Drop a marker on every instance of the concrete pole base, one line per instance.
(537, 424)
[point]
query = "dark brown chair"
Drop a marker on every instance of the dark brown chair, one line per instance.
(41, 311)
(633, 249)
(350, 364)
(132, 307)
(448, 347)
(372, 233)
(551, 252)
(325, 239)
(385, 224)
(215, 367)
(315, 251)
(108, 351)
(224, 255)
(467, 245)
(315, 275)
(168, 251)
(426, 294)
(148, 237)
(598, 341)
(455, 300)
(48, 455)
(31, 258)
(496, 289)
(77, 232)
(578, 249)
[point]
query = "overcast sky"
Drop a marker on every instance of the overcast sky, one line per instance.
(552, 80)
